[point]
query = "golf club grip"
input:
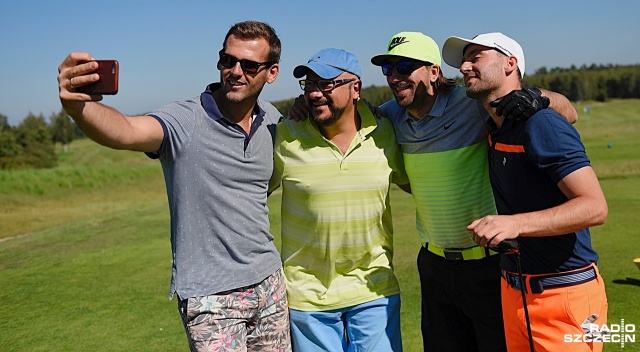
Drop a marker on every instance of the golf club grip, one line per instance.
(508, 245)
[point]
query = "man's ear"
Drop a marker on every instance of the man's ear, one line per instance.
(357, 87)
(511, 65)
(435, 72)
(273, 73)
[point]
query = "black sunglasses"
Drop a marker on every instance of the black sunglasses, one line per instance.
(404, 67)
(325, 85)
(248, 66)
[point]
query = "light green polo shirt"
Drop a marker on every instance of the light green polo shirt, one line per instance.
(337, 232)
(445, 155)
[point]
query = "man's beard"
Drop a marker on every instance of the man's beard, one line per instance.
(485, 83)
(478, 93)
(415, 99)
(336, 113)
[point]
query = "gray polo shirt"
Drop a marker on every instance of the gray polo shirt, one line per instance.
(217, 178)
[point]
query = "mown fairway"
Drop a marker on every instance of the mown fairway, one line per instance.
(85, 257)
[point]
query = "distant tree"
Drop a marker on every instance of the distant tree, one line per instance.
(34, 137)
(377, 95)
(9, 146)
(541, 71)
(63, 130)
(594, 82)
(4, 123)
(10, 149)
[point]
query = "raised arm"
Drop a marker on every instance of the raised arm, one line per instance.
(561, 105)
(101, 123)
(523, 103)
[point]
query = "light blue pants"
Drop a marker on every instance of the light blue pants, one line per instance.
(373, 326)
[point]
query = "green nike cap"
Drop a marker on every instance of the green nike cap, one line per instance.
(412, 45)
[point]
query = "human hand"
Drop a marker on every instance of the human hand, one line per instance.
(299, 110)
(75, 71)
(491, 230)
(520, 104)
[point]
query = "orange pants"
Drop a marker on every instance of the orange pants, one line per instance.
(554, 313)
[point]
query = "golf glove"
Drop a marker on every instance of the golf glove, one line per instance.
(520, 104)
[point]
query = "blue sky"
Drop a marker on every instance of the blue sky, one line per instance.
(168, 49)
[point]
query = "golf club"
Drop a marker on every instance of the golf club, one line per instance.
(510, 246)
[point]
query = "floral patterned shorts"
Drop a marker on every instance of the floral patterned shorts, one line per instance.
(252, 318)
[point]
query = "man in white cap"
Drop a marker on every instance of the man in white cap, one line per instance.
(444, 142)
(547, 196)
(335, 169)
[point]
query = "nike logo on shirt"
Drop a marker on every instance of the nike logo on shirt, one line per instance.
(446, 127)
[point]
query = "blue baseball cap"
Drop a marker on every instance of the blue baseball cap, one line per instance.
(330, 63)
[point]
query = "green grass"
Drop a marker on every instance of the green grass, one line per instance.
(85, 257)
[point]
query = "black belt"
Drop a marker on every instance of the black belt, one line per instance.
(539, 283)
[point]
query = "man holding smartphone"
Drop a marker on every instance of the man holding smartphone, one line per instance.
(216, 152)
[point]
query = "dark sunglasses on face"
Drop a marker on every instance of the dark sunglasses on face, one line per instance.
(404, 67)
(325, 85)
(248, 66)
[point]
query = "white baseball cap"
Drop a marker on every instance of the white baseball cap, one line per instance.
(453, 48)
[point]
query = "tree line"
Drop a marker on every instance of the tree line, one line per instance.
(31, 144)
(595, 82)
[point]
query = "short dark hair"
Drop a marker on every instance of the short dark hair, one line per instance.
(248, 30)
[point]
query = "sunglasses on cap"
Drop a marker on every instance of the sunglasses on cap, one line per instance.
(248, 66)
(404, 67)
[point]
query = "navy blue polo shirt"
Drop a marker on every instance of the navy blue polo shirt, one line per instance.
(527, 159)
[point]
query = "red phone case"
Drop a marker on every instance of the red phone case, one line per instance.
(108, 83)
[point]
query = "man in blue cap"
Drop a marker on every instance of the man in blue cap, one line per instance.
(335, 169)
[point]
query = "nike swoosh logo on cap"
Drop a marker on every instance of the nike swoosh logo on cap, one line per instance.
(397, 41)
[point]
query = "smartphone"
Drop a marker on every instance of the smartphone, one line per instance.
(108, 83)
